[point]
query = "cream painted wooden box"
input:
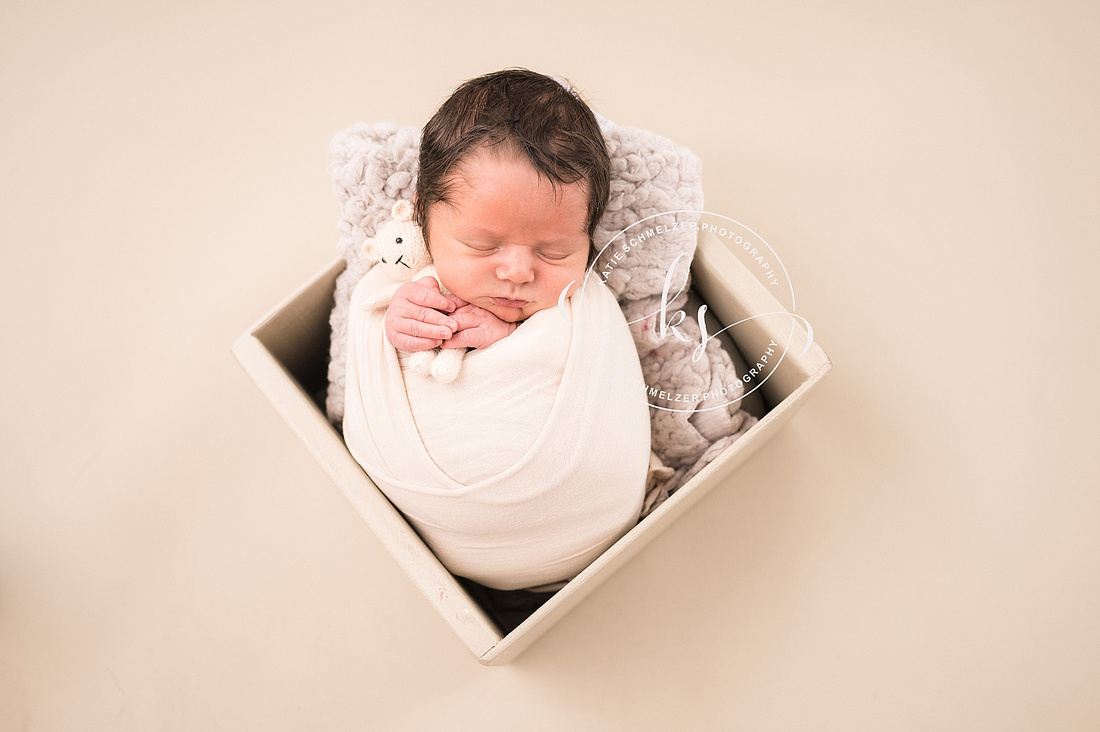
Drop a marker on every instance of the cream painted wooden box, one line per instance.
(286, 354)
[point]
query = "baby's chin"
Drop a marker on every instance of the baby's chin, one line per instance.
(511, 314)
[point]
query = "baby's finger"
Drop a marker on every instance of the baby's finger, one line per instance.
(430, 317)
(412, 344)
(456, 300)
(428, 281)
(402, 310)
(421, 329)
(428, 295)
(468, 338)
(465, 319)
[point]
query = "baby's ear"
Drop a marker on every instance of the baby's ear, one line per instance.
(402, 210)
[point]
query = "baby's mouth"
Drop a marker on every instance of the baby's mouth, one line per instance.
(509, 303)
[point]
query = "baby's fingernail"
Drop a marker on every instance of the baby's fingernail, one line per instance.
(446, 334)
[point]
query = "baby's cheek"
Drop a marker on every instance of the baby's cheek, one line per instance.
(451, 279)
(571, 280)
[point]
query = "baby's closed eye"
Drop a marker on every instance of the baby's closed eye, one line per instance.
(481, 247)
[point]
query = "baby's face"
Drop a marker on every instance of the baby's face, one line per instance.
(507, 241)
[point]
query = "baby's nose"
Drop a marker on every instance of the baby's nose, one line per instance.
(516, 267)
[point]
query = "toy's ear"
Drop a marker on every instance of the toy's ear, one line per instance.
(367, 247)
(402, 210)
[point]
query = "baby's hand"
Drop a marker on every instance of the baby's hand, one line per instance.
(416, 320)
(477, 328)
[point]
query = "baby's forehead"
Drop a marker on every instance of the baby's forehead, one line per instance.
(510, 182)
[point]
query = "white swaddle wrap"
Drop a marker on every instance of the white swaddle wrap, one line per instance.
(529, 465)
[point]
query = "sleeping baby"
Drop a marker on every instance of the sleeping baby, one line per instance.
(527, 466)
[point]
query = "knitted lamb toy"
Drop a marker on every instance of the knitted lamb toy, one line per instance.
(399, 249)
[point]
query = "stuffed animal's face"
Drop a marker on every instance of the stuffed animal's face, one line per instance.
(398, 246)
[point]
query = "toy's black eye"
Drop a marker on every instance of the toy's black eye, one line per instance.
(398, 240)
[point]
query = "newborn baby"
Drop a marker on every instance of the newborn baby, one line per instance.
(529, 465)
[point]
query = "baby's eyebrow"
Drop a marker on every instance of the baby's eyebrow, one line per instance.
(562, 241)
(476, 230)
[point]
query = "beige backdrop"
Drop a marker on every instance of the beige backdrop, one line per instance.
(918, 551)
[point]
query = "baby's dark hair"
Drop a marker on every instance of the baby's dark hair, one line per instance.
(531, 114)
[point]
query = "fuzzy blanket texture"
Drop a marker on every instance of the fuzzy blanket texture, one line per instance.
(374, 166)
